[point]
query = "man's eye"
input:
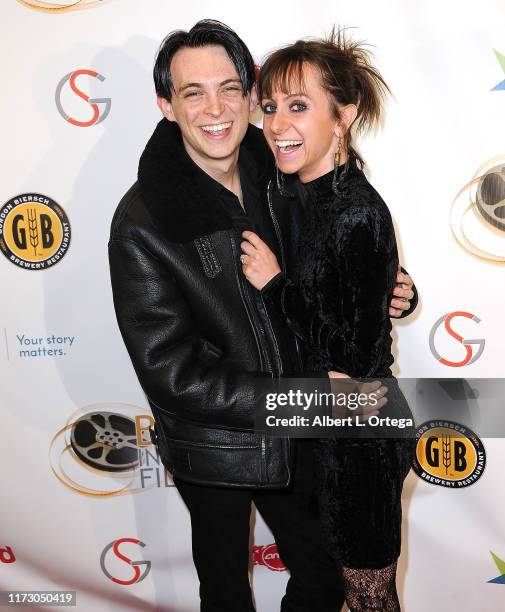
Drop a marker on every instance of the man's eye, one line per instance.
(268, 109)
(191, 94)
(232, 88)
(298, 107)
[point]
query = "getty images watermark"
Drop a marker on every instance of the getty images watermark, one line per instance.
(349, 408)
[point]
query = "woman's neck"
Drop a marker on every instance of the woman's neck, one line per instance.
(311, 174)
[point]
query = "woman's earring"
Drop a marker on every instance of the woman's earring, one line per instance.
(338, 172)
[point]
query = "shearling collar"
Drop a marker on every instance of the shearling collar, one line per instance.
(182, 199)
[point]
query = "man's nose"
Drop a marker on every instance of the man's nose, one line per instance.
(215, 105)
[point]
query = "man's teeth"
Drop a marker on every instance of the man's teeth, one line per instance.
(216, 128)
(282, 144)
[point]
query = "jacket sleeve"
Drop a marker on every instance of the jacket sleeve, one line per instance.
(413, 302)
(178, 369)
(364, 267)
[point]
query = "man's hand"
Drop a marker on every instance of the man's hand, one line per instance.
(341, 383)
(402, 294)
(259, 264)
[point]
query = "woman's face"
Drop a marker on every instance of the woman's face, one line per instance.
(301, 129)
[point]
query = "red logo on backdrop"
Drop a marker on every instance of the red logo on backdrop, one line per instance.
(138, 576)
(268, 556)
(471, 356)
(98, 114)
(7, 554)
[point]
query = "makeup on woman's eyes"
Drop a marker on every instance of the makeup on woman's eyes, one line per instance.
(296, 107)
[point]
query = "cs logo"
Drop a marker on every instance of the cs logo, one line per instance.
(138, 576)
(34, 231)
(98, 116)
(470, 357)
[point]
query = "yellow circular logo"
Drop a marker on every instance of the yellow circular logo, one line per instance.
(34, 231)
(448, 454)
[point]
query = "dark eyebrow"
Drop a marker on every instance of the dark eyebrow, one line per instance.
(294, 95)
(188, 85)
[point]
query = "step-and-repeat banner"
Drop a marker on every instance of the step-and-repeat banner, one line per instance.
(81, 511)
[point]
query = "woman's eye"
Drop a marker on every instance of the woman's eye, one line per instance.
(298, 107)
(268, 109)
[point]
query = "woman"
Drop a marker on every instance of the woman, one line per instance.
(336, 300)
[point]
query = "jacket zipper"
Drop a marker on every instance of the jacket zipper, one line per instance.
(283, 261)
(276, 224)
(263, 362)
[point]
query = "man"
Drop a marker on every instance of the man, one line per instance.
(197, 332)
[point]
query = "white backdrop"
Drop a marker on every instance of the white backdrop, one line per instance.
(445, 122)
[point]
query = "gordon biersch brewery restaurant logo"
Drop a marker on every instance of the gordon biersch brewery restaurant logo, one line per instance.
(53, 6)
(34, 231)
(448, 454)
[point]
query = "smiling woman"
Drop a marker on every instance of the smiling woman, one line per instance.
(335, 299)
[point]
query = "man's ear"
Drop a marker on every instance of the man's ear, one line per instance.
(253, 102)
(165, 107)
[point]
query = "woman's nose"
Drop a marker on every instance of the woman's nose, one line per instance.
(278, 123)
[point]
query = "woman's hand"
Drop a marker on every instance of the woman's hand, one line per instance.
(259, 264)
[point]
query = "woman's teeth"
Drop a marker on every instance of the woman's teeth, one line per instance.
(216, 128)
(288, 145)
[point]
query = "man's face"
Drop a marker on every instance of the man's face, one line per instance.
(207, 103)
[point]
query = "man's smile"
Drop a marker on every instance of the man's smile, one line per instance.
(218, 130)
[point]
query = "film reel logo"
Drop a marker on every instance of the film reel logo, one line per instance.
(138, 575)
(448, 454)
(98, 115)
(50, 6)
(98, 452)
(34, 231)
(477, 214)
(470, 357)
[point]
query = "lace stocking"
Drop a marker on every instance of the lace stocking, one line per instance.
(371, 589)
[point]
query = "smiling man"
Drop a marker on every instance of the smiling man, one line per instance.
(198, 333)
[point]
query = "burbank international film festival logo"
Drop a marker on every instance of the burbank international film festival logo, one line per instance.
(477, 215)
(57, 6)
(106, 450)
(473, 347)
(448, 454)
(110, 564)
(99, 113)
(34, 231)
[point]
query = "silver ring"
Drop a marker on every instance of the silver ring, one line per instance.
(242, 258)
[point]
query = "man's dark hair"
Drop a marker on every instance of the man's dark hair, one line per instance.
(205, 32)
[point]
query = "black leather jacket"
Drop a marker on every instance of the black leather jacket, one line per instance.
(198, 334)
